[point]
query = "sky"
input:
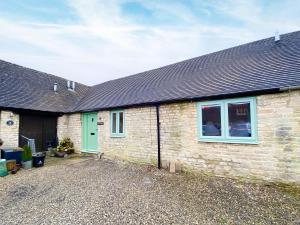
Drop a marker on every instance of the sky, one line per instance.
(92, 41)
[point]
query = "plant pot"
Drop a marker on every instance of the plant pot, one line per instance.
(60, 154)
(3, 169)
(38, 160)
(27, 164)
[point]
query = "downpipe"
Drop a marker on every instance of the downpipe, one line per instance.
(158, 137)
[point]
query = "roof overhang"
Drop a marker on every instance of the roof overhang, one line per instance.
(31, 111)
(192, 99)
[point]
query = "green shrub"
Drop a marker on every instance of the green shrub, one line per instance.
(66, 145)
(27, 154)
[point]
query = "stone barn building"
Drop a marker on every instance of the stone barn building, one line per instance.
(233, 113)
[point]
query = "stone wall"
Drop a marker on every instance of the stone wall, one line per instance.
(140, 141)
(69, 126)
(276, 157)
(9, 134)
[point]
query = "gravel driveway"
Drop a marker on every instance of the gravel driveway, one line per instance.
(111, 192)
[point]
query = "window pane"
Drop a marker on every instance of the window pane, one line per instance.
(211, 120)
(121, 122)
(239, 119)
(114, 123)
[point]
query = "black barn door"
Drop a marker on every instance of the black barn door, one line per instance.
(39, 127)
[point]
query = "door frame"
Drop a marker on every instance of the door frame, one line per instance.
(85, 132)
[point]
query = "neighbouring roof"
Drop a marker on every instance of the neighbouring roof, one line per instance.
(259, 66)
(24, 88)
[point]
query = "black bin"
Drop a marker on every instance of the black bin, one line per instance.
(38, 160)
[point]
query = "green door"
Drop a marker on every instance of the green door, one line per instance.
(90, 132)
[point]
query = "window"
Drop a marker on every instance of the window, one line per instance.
(114, 123)
(117, 123)
(239, 119)
(232, 120)
(121, 122)
(211, 120)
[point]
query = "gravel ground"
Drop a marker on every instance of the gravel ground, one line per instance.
(111, 192)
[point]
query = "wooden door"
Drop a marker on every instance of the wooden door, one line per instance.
(90, 132)
(39, 127)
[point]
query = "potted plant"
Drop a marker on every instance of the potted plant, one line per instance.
(65, 147)
(26, 157)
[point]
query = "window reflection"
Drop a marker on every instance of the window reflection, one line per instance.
(121, 122)
(114, 123)
(211, 120)
(239, 120)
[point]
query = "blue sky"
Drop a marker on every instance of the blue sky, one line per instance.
(92, 41)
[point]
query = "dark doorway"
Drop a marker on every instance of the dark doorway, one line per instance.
(42, 128)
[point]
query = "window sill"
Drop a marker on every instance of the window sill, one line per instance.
(117, 136)
(230, 141)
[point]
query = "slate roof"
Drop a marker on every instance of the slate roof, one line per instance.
(260, 66)
(24, 88)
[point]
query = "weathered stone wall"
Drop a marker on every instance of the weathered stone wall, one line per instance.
(9, 134)
(69, 126)
(139, 143)
(276, 157)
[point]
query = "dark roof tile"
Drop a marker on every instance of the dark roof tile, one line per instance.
(257, 66)
(25, 88)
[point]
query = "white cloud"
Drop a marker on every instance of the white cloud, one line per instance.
(105, 44)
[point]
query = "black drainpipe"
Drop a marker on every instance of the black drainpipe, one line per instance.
(158, 136)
